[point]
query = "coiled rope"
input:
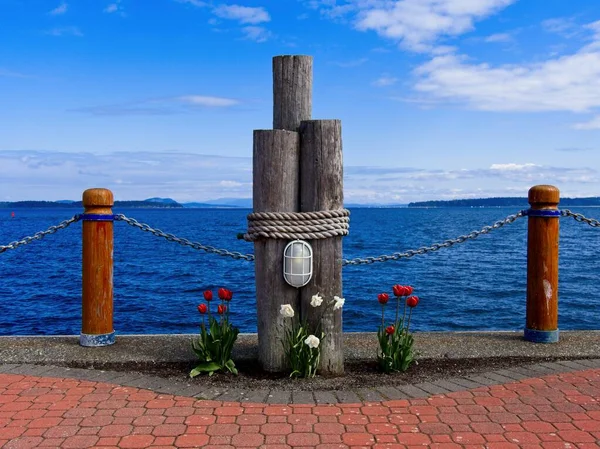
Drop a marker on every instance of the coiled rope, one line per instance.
(298, 225)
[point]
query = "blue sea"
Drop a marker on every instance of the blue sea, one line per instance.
(477, 285)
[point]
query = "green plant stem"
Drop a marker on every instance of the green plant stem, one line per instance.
(397, 309)
(409, 315)
(404, 314)
(382, 316)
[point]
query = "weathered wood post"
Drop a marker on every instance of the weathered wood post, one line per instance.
(97, 269)
(276, 188)
(321, 189)
(542, 265)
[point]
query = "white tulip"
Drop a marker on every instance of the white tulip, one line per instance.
(312, 341)
(286, 310)
(316, 300)
(339, 302)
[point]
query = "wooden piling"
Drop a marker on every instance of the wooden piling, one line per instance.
(292, 91)
(542, 265)
(321, 188)
(276, 161)
(97, 269)
(276, 188)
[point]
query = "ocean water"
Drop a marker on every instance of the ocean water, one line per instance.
(477, 285)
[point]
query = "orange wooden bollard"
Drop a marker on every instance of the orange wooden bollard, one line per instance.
(97, 275)
(542, 265)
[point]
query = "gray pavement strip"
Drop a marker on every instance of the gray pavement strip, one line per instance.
(466, 383)
(232, 395)
(412, 391)
(392, 393)
(574, 364)
(302, 397)
(347, 397)
(511, 374)
(256, 396)
(556, 367)
(431, 388)
(279, 397)
(370, 395)
(210, 393)
(499, 378)
(448, 385)
(325, 397)
(589, 363)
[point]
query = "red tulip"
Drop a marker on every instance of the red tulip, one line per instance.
(408, 290)
(202, 308)
(412, 301)
(221, 309)
(383, 298)
(222, 292)
(208, 295)
(389, 330)
(229, 295)
(398, 290)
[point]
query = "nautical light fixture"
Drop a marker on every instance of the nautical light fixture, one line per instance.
(297, 263)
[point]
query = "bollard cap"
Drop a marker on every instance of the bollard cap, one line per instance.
(544, 197)
(98, 198)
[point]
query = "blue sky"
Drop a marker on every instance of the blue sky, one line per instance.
(438, 99)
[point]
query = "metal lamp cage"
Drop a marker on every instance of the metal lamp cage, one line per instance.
(297, 263)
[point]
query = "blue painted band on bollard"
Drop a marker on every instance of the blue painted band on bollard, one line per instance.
(542, 213)
(96, 340)
(95, 217)
(537, 336)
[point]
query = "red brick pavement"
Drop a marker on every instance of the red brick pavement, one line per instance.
(556, 411)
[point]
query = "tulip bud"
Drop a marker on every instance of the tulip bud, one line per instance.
(221, 309)
(202, 308)
(389, 330)
(383, 298)
(222, 292)
(208, 295)
(412, 301)
(408, 290)
(398, 290)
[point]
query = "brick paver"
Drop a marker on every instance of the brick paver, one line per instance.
(560, 410)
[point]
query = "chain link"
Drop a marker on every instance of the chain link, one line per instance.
(435, 246)
(580, 218)
(40, 235)
(185, 242)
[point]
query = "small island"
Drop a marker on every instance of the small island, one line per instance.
(502, 202)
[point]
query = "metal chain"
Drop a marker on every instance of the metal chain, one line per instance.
(185, 242)
(40, 235)
(580, 218)
(435, 246)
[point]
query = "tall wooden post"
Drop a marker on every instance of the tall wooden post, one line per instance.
(276, 188)
(321, 188)
(542, 265)
(97, 265)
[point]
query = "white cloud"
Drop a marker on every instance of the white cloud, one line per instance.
(113, 7)
(65, 31)
(385, 80)
(565, 83)
(51, 175)
(499, 38)
(197, 3)
(594, 123)
(243, 14)
(160, 106)
(512, 167)
(416, 24)
(59, 10)
(202, 100)
(257, 34)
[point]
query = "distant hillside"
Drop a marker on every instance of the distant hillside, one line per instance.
(503, 202)
(78, 205)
